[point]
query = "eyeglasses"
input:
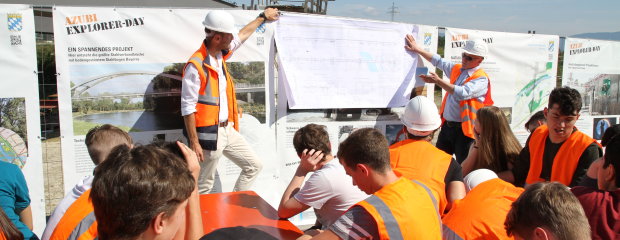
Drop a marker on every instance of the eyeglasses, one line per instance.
(468, 57)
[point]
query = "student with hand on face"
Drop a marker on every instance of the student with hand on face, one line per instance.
(328, 190)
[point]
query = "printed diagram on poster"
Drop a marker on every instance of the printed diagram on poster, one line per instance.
(13, 131)
(328, 62)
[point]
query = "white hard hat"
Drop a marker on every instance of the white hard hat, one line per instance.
(220, 21)
(421, 116)
(477, 177)
(476, 47)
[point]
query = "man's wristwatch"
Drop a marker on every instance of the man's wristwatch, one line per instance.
(262, 15)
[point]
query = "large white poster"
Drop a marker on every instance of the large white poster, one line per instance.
(123, 66)
(593, 68)
(20, 130)
(522, 68)
(340, 122)
(329, 62)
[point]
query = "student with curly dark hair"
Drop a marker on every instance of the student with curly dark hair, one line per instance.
(557, 151)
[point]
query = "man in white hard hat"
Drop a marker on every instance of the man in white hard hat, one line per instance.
(416, 158)
(208, 102)
(469, 89)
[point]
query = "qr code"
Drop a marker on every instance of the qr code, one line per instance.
(16, 40)
(260, 41)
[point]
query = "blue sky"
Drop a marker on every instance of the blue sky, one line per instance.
(558, 17)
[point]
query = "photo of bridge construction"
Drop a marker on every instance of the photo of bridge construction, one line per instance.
(146, 97)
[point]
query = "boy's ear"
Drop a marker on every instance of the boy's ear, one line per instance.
(158, 223)
(363, 168)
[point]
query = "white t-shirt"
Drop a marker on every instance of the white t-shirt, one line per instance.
(65, 203)
(191, 84)
(330, 192)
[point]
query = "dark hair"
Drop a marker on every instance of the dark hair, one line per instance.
(567, 99)
(366, 146)
(102, 139)
(552, 206)
(612, 156)
(132, 186)
(8, 229)
(610, 132)
(538, 116)
(312, 136)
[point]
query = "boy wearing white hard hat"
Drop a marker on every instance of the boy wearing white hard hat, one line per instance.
(416, 158)
(469, 89)
(209, 104)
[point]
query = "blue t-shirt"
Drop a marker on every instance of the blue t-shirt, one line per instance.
(14, 195)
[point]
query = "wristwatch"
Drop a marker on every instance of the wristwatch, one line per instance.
(262, 15)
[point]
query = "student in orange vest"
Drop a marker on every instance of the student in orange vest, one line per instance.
(547, 211)
(416, 158)
(469, 89)
(481, 214)
(399, 208)
(209, 104)
(80, 221)
(556, 151)
(99, 142)
(143, 192)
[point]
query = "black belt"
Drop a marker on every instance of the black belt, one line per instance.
(223, 124)
(452, 124)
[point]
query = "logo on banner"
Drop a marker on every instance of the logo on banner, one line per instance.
(261, 28)
(427, 38)
(14, 21)
(551, 46)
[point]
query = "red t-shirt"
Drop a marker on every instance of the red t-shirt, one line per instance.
(602, 209)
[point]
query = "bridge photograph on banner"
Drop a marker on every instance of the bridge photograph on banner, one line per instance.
(123, 66)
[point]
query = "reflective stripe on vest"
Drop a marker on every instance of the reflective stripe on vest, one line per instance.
(468, 107)
(78, 222)
(411, 159)
(388, 224)
(565, 161)
(208, 104)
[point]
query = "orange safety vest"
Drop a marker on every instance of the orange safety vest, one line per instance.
(79, 222)
(404, 209)
(481, 214)
(422, 161)
(208, 105)
(565, 161)
(469, 107)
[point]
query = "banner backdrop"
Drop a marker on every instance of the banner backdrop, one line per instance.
(522, 68)
(341, 122)
(20, 129)
(593, 68)
(123, 66)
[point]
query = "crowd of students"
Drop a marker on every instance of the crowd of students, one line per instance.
(368, 189)
(558, 186)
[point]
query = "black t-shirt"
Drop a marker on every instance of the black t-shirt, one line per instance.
(522, 167)
(454, 173)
